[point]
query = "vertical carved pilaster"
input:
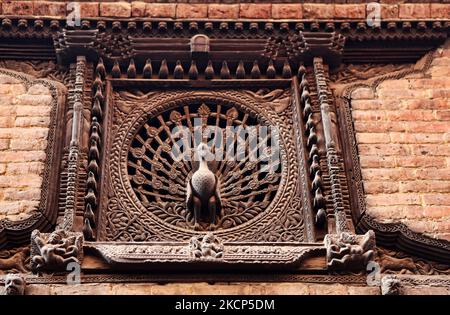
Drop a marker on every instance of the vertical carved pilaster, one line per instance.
(330, 130)
(74, 163)
(95, 148)
(303, 180)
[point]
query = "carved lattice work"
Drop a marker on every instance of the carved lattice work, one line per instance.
(158, 173)
(148, 197)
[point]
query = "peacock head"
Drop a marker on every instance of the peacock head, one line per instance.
(203, 151)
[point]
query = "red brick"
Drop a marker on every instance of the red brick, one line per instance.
(443, 114)
(369, 115)
(389, 11)
(425, 186)
(414, 10)
(440, 11)
(402, 137)
(393, 199)
(431, 83)
(425, 104)
(426, 126)
(437, 199)
(138, 8)
(386, 212)
(89, 9)
(400, 93)
(350, 11)
(431, 212)
(409, 115)
(372, 138)
(420, 161)
(366, 104)
(287, 11)
(160, 10)
(17, 7)
(388, 174)
(46, 8)
(384, 149)
(392, 1)
(384, 187)
(192, 11)
(442, 226)
(378, 126)
(397, 212)
(421, 227)
(439, 93)
(433, 173)
(318, 11)
(223, 11)
(115, 9)
(431, 149)
(369, 161)
(363, 94)
(255, 11)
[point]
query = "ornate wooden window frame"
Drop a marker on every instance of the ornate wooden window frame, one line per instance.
(105, 53)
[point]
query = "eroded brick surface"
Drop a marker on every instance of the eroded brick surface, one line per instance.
(403, 133)
(24, 121)
(232, 9)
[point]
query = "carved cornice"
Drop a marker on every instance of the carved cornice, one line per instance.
(199, 277)
(115, 39)
(398, 235)
(396, 284)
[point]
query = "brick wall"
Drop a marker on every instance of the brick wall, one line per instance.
(24, 120)
(199, 288)
(403, 135)
(233, 9)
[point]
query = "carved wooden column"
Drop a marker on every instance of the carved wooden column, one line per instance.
(334, 158)
(345, 249)
(74, 163)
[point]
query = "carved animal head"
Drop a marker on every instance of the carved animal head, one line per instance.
(14, 285)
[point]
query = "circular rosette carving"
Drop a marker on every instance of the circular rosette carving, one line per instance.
(244, 156)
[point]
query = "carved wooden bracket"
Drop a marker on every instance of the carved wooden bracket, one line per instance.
(348, 251)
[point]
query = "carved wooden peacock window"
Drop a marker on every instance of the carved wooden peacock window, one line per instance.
(207, 146)
(159, 169)
(226, 150)
(254, 156)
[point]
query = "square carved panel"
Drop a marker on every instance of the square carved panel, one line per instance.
(256, 165)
